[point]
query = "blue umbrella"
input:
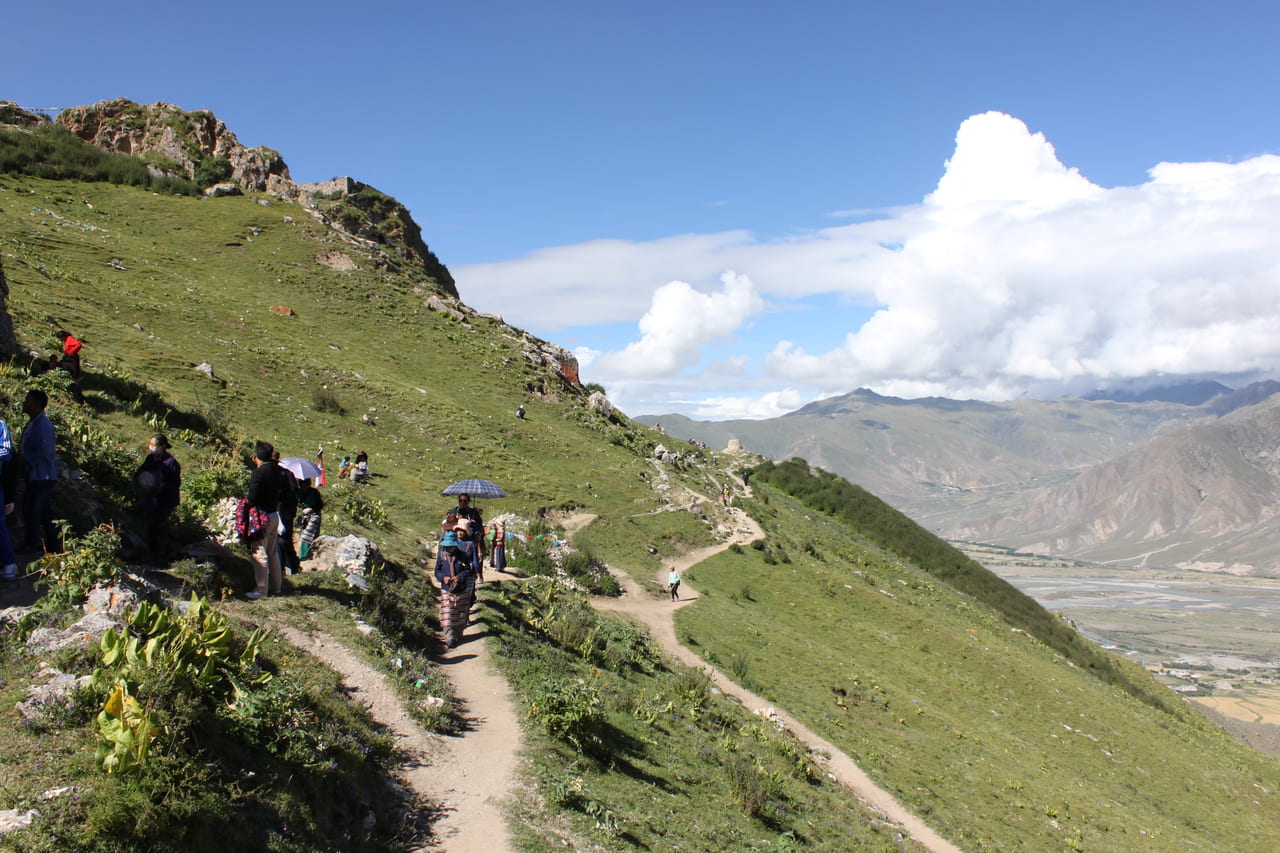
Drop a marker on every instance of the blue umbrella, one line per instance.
(475, 488)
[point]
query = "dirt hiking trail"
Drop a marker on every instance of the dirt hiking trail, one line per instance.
(465, 777)
(657, 615)
(469, 777)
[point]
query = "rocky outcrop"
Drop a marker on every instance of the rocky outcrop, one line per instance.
(547, 354)
(173, 139)
(198, 146)
(375, 219)
(16, 116)
(601, 404)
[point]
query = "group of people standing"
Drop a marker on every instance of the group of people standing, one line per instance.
(460, 564)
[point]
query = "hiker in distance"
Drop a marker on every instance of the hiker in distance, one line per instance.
(673, 584)
(70, 352)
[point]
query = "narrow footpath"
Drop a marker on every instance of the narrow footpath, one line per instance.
(467, 777)
(656, 613)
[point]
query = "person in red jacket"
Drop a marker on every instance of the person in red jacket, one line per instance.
(70, 353)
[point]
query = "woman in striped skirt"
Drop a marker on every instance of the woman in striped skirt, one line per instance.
(456, 594)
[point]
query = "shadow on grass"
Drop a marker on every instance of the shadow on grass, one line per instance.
(113, 393)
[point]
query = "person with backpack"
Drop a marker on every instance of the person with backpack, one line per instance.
(265, 485)
(8, 487)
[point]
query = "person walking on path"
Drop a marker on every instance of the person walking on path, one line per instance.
(39, 448)
(471, 518)
(454, 574)
(8, 488)
(264, 551)
(498, 549)
(673, 583)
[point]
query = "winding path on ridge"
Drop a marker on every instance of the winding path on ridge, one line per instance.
(469, 777)
(656, 614)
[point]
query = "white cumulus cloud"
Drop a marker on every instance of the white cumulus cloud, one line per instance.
(679, 321)
(1015, 276)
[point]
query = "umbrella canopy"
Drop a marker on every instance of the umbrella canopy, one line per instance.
(302, 467)
(475, 488)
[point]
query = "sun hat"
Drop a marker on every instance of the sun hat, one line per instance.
(449, 540)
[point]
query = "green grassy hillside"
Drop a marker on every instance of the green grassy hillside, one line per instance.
(988, 733)
(1001, 741)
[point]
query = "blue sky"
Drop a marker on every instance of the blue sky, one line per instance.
(730, 209)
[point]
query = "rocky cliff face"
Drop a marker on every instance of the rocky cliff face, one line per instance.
(198, 146)
(170, 137)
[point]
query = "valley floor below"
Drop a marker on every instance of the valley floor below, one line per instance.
(1212, 638)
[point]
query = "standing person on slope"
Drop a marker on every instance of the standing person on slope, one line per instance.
(39, 452)
(159, 482)
(265, 485)
(673, 583)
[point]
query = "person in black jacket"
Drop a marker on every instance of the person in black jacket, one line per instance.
(159, 482)
(265, 485)
(288, 513)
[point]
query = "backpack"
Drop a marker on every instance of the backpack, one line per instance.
(249, 521)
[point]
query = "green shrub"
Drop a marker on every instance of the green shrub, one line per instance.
(533, 555)
(753, 790)
(51, 151)
(365, 510)
(68, 576)
(325, 399)
(213, 170)
(212, 478)
(568, 710)
(585, 568)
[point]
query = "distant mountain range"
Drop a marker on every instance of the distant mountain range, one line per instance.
(1185, 476)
